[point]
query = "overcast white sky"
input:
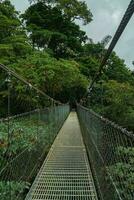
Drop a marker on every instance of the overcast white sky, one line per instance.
(107, 15)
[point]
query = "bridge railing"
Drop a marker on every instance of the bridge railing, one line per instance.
(111, 153)
(29, 122)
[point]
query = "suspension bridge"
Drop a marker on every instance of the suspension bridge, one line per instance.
(48, 152)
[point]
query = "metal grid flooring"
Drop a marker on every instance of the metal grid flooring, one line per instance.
(65, 174)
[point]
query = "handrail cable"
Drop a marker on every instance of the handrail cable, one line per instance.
(5, 68)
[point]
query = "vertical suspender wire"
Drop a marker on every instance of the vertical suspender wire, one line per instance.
(9, 133)
(52, 120)
(30, 89)
(49, 119)
(54, 116)
(8, 107)
(38, 116)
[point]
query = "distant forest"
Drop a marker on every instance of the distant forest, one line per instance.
(47, 46)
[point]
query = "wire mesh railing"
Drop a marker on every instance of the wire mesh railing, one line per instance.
(111, 153)
(29, 122)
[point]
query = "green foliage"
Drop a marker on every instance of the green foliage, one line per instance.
(93, 50)
(58, 78)
(72, 10)
(75, 10)
(116, 101)
(50, 28)
(113, 95)
(53, 33)
(9, 190)
(14, 41)
(24, 136)
(117, 70)
(122, 172)
(8, 20)
(88, 66)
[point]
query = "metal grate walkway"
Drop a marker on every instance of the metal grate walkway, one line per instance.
(65, 174)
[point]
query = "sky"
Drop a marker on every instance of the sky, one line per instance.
(107, 15)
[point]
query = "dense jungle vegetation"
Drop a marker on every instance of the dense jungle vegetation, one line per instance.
(48, 47)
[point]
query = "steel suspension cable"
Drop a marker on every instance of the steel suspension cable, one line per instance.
(126, 18)
(5, 68)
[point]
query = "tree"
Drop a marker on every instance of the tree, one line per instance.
(118, 102)
(61, 79)
(14, 41)
(88, 66)
(117, 70)
(8, 20)
(49, 28)
(71, 10)
(106, 40)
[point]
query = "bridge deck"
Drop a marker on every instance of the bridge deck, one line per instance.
(65, 174)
